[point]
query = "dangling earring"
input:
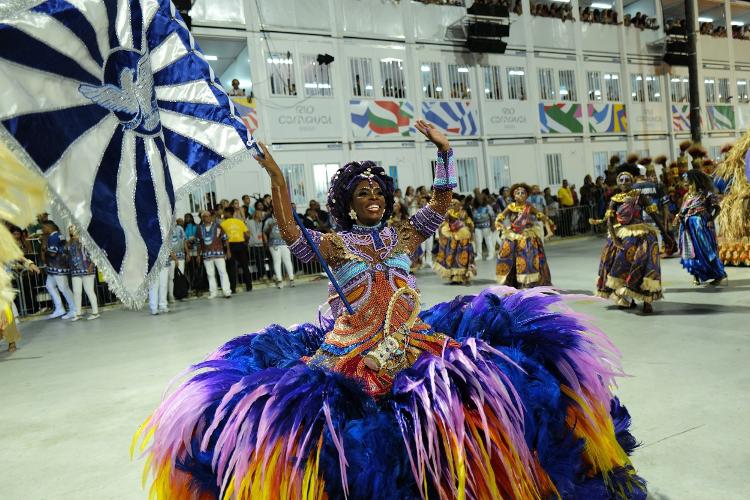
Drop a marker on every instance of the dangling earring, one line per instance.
(353, 214)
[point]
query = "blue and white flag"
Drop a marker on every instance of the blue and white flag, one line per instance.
(113, 102)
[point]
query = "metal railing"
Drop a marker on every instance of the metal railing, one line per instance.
(33, 299)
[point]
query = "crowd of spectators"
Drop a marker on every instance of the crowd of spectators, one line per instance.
(679, 27)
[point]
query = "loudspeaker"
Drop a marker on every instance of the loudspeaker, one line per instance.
(676, 59)
(491, 45)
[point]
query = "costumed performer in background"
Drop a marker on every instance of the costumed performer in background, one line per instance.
(454, 261)
(734, 219)
(699, 253)
(502, 395)
(630, 268)
(521, 261)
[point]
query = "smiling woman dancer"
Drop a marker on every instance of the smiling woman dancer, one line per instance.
(505, 394)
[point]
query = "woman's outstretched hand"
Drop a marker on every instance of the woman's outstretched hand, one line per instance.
(268, 163)
(433, 134)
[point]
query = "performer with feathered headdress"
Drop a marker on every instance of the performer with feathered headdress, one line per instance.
(521, 260)
(455, 260)
(734, 219)
(629, 268)
(699, 253)
(500, 395)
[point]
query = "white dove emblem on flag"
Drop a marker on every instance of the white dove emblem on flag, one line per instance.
(132, 100)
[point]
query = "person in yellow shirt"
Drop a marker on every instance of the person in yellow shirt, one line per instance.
(237, 236)
(565, 198)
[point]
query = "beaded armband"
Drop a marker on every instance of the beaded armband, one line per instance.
(609, 214)
(426, 221)
(652, 209)
(302, 249)
(446, 177)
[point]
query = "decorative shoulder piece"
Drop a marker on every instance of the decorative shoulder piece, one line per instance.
(652, 209)
(609, 214)
(446, 177)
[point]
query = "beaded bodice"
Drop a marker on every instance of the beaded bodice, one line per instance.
(361, 254)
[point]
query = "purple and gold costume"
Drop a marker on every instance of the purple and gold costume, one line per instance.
(521, 261)
(502, 395)
(633, 271)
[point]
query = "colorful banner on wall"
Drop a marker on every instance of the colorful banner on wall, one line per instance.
(681, 117)
(381, 118)
(454, 118)
(247, 111)
(607, 118)
(560, 118)
(721, 117)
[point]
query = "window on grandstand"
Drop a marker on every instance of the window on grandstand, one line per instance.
(362, 81)
(710, 85)
(742, 91)
(612, 86)
(432, 85)
(392, 78)
(317, 77)
(568, 85)
(281, 70)
(467, 174)
(295, 178)
(458, 79)
(501, 171)
(724, 96)
(322, 173)
(492, 84)
(636, 88)
(679, 88)
(601, 161)
(547, 84)
(594, 80)
(554, 169)
(653, 88)
(516, 84)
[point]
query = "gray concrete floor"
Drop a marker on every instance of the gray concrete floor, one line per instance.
(74, 393)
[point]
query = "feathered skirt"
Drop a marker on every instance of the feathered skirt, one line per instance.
(521, 409)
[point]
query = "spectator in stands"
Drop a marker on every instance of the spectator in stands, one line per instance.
(236, 90)
(256, 242)
(212, 241)
(83, 273)
(484, 220)
(601, 197)
(267, 203)
(536, 198)
(191, 258)
(247, 207)
(565, 197)
(179, 247)
(280, 253)
(36, 228)
(237, 236)
(323, 216)
(237, 211)
(55, 258)
(626, 20)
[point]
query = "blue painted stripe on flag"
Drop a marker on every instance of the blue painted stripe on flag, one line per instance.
(207, 112)
(105, 226)
(111, 6)
(146, 206)
(136, 23)
(167, 174)
(433, 117)
(196, 156)
(20, 48)
(60, 127)
(176, 72)
(472, 123)
(163, 25)
(75, 21)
